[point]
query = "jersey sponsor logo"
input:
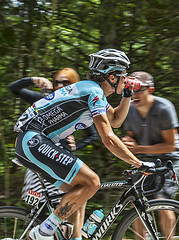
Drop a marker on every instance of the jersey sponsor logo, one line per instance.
(52, 116)
(50, 96)
(48, 226)
(33, 142)
(52, 153)
(58, 117)
(64, 159)
(95, 100)
(80, 126)
(66, 90)
(53, 112)
(48, 151)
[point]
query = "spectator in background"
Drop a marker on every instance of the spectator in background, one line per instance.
(151, 126)
(61, 79)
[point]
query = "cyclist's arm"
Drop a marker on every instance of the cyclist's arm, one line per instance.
(117, 115)
(19, 88)
(112, 142)
(90, 136)
(167, 146)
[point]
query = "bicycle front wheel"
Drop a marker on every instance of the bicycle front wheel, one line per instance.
(126, 230)
(13, 222)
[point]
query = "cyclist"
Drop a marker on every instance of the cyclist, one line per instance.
(151, 126)
(63, 77)
(61, 113)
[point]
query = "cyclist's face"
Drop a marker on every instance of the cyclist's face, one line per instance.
(121, 84)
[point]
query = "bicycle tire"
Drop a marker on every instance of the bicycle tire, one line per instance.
(125, 230)
(13, 222)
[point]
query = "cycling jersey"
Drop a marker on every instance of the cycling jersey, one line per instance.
(54, 118)
(65, 110)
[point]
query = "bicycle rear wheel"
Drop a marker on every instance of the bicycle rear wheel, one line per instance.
(13, 222)
(125, 229)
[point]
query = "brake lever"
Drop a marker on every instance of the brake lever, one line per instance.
(169, 164)
(158, 164)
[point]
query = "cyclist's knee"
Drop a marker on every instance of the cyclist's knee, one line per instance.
(93, 183)
(88, 180)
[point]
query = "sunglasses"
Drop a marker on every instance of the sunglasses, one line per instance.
(141, 90)
(65, 83)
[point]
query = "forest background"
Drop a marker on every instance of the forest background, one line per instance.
(39, 37)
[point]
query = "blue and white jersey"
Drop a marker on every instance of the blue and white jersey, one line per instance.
(65, 110)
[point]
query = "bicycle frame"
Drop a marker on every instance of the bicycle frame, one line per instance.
(130, 195)
(106, 223)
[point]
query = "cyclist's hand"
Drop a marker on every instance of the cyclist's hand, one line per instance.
(42, 83)
(145, 167)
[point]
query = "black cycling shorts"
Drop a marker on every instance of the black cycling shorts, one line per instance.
(37, 152)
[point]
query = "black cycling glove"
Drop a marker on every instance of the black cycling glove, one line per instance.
(127, 93)
(145, 166)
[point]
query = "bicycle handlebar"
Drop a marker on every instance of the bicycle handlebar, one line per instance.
(157, 170)
(161, 170)
(154, 170)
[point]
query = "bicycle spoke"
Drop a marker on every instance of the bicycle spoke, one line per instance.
(5, 223)
(173, 229)
(155, 222)
(136, 233)
(15, 226)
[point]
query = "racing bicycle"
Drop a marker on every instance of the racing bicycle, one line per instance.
(15, 222)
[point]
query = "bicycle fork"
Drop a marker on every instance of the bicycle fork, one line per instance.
(141, 211)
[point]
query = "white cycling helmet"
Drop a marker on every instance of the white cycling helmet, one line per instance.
(108, 60)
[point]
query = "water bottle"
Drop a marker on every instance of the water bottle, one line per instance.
(134, 82)
(92, 223)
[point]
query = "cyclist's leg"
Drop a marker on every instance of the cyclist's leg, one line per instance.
(85, 185)
(37, 152)
(77, 219)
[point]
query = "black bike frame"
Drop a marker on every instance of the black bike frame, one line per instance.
(127, 196)
(131, 194)
(108, 220)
